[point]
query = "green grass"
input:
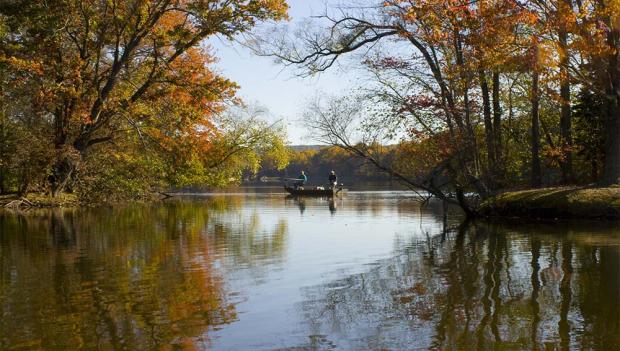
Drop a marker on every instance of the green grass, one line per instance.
(564, 202)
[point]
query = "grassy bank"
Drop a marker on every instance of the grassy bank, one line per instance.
(567, 202)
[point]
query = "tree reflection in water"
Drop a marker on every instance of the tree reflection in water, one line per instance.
(130, 278)
(484, 286)
(173, 275)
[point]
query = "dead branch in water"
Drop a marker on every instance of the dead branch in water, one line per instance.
(19, 203)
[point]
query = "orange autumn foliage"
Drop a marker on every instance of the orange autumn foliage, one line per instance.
(105, 76)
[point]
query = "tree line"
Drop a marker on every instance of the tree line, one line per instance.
(479, 96)
(318, 162)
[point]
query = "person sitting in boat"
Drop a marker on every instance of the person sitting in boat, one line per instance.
(301, 180)
(333, 179)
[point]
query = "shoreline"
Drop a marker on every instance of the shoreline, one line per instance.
(579, 203)
(38, 200)
(555, 203)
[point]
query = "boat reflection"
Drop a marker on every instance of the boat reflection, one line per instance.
(333, 206)
(301, 202)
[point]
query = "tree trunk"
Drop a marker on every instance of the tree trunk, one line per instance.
(2, 179)
(24, 186)
(536, 170)
(62, 173)
(488, 122)
(593, 169)
(469, 127)
(611, 170)
(497, 119)
(470, 213)
(67, 152)
(566, 140)
(4, 148)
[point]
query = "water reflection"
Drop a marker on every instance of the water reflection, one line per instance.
(333, 206)
(138, 277)
(482, 287)
(331, 203)
(299, 201)
(365, 271)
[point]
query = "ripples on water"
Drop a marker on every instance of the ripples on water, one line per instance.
(372, 270)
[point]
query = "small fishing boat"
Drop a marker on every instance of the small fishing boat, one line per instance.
(316, 191)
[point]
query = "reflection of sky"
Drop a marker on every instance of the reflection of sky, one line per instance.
(320, 247)
(376, 273)
(379, 273)
(269, 85)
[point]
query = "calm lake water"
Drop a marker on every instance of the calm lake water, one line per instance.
(370, 271)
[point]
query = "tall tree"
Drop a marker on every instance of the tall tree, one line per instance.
(611, 81)
(109, 66)
(446, 82)
(564, 12)
(589, 116)
(595, 29)
(535, 126)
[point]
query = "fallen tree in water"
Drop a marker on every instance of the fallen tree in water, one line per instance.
(46, 200)
(34, 200)
(19, 203)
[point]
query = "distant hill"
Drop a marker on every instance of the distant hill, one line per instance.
(307, 147)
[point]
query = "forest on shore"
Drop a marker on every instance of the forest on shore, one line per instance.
(113, 99)
(473, 97)
(317, 161)
(464, 100)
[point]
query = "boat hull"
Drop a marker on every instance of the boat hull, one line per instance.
(313, 192)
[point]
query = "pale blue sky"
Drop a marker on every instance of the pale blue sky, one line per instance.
(276, 88)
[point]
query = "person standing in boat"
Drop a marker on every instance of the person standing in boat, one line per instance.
(333, 179)
(301, 180)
